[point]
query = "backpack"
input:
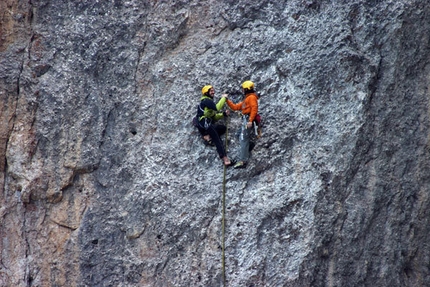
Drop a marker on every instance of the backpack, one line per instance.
(195, 122)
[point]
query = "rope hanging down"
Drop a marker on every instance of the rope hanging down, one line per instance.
(223, 211)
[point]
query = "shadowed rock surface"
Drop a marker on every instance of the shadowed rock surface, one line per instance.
(104, 181)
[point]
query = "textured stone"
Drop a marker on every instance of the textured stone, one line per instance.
(104, 181)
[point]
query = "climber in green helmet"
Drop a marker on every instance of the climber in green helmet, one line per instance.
(207, 114)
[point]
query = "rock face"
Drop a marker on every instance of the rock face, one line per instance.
(104, 181)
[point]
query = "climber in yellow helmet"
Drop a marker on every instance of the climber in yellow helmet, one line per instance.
(249, 109)
(207, 114)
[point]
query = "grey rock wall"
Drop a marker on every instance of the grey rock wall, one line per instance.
(104, 181)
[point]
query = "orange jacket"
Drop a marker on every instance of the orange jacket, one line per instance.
(249, 106)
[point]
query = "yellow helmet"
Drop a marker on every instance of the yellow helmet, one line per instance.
(206, 89)
(248, 85)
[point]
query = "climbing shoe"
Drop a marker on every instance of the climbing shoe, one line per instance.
(208, 142)
(232, 162)
(240, 164)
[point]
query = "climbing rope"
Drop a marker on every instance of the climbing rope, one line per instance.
(223, 210)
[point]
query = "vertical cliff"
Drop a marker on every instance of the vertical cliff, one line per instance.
(104, 181)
